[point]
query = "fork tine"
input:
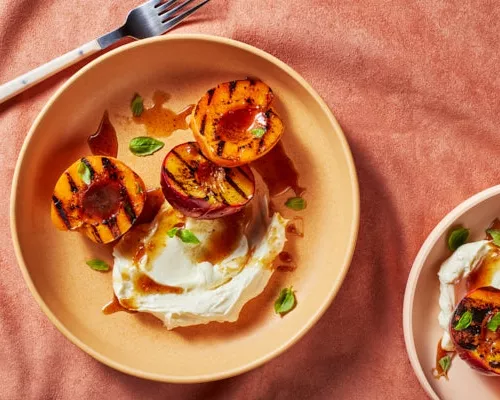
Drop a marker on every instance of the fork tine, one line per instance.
(172, 11)
(164, 6)
(170, 23)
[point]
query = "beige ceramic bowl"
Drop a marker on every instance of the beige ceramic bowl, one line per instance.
(53, 262)
(421, 308)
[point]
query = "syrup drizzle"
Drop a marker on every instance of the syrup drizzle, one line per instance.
(162, 121)
(104, 141)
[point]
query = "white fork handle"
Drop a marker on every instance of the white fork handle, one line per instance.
(23, 82)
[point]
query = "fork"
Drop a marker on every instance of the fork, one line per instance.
(152, 18)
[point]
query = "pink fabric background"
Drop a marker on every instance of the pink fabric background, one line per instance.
(415, 85)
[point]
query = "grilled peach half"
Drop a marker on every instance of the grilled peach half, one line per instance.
(476, 338)
(234, 123)
(199, 188)
(99, 196)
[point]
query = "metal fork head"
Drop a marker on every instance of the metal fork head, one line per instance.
(156, 17)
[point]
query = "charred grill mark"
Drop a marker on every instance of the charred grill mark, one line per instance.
(72, 183)
(248, 100)
(242, 172)
(127, 204)
(252, 81)
(234, 184)
(232, 87)
(220, 148)
(60, 210)
(172, 177)
(110, 168)
(89, 166)
(113, 226)
(202, 126)
(268, 113)
(203, 155)
(222, 198)
(262, 143)
(495, 364)
(191, 169)
(210, 96)
(95, 232)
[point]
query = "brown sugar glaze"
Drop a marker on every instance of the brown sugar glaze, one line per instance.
(224, 241)
(161, 121)
(114, 306)
(153, 203)
(104, 141)
(278, 172)
(236, 125)
(484, 273)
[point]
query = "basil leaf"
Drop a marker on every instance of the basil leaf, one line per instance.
(137, 105)
(296, 203)
(172, 232)
(445, 363)
(457, 238)
(145, 146)
(495, 235)
(98, 265)
(285, 301)
(494, 322)
(464, 321)
(84, 172)
(258, 132)
(187, 236)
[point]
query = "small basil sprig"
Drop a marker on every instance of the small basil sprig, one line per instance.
(145, 146)
(285, 301)
(137, 105)
(495, 235)
(185, 235)
(296, 203)
(445, 363)
(464, 321)
(494, 322)
(457, 238)
(98, 265)
(84, 172)
(258, 132)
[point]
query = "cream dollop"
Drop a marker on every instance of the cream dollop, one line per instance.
(208, 292)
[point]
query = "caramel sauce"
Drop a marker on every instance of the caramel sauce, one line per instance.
(285, 257)
(131, 243)
(225, 239)
(296, 227)
(146, 285)
(161, 121)
(102, 200)
(153, 203)
(438, 371)
(236, 125)
(278, 172)
(104, 141)
(286, 268)
(157, 242)
(114, 306)
(483, 275)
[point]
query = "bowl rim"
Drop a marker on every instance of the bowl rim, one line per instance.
(417, 268)
(354, 228)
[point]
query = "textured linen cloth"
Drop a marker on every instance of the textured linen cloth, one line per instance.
(415, 86)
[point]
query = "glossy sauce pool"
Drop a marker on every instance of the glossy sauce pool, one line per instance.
(104, 141)
(161, 121)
